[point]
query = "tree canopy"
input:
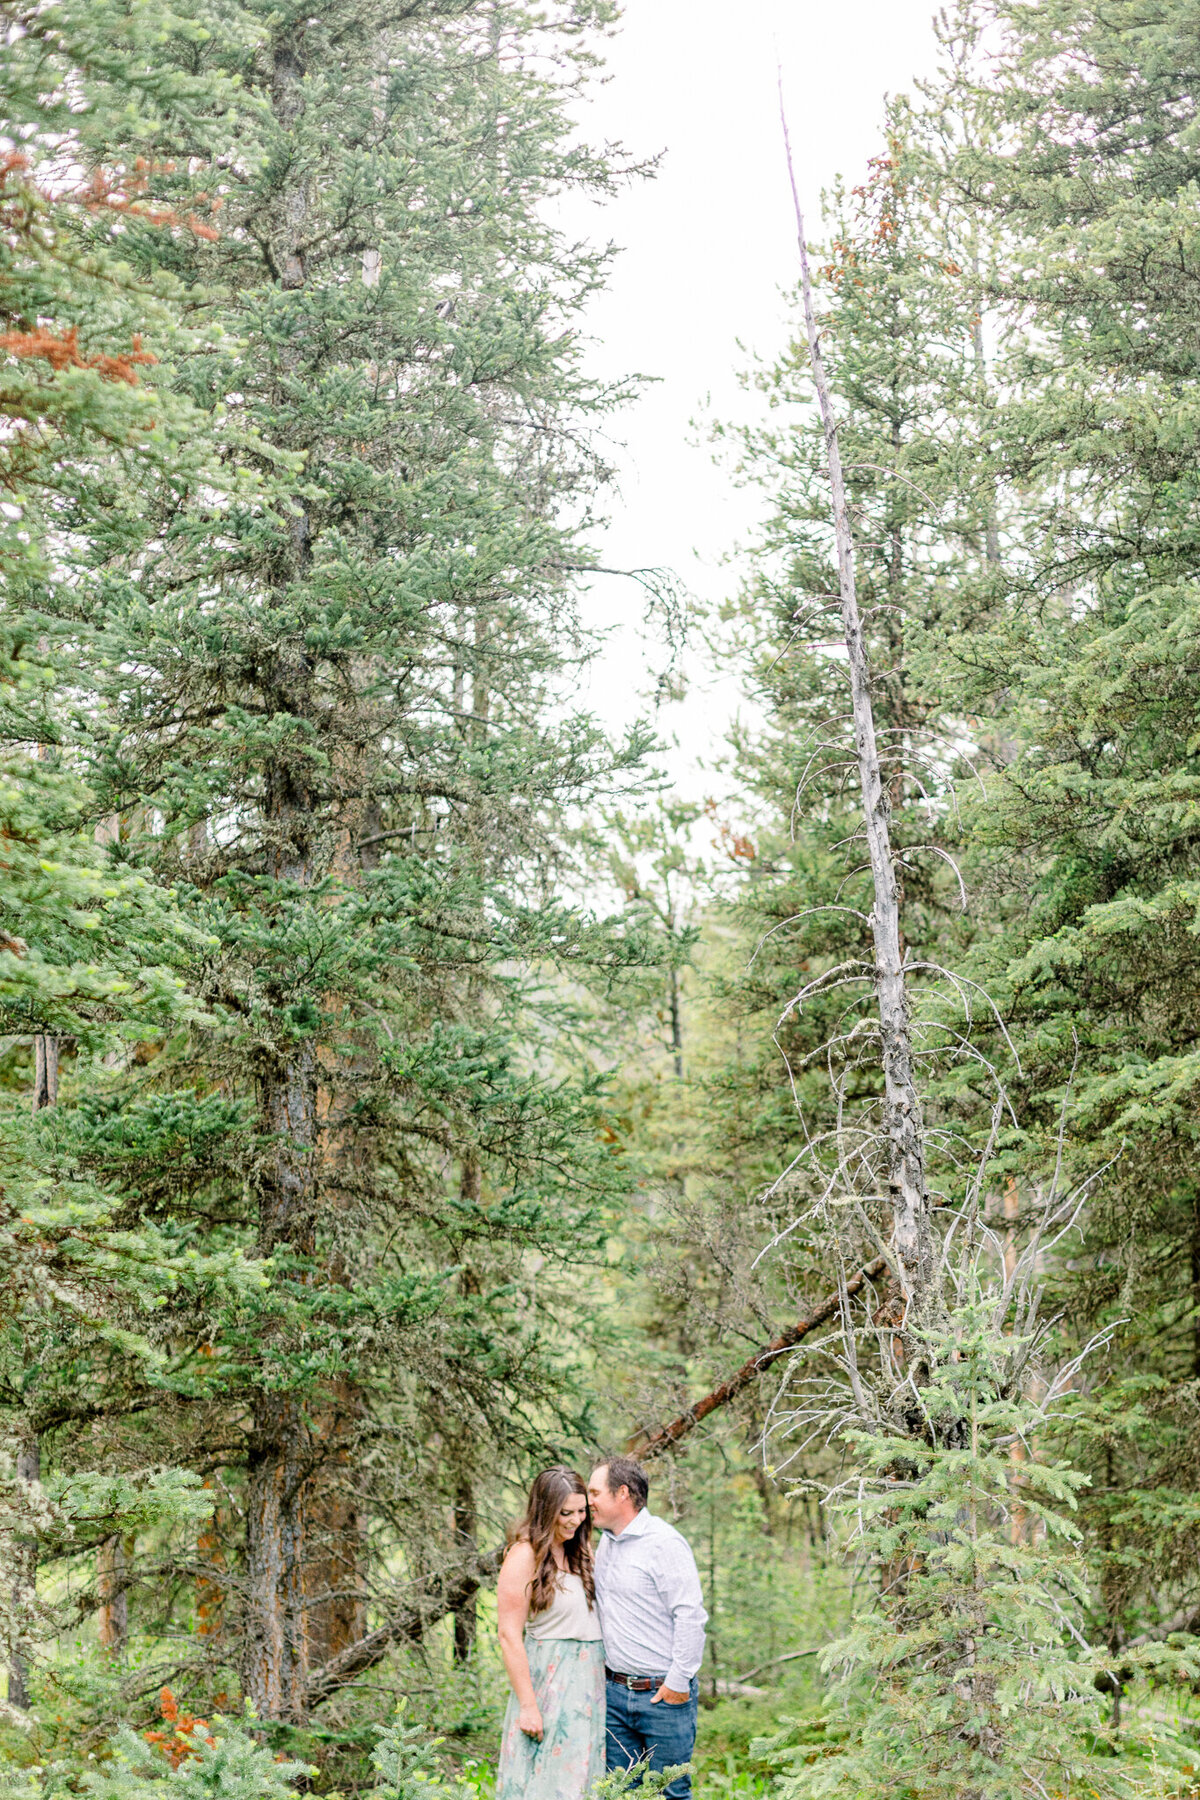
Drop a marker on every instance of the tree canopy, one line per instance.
(403, 1088)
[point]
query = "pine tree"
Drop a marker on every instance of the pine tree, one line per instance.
(1074, 149)
(965, 1676)
(964, 1673)
(92, 957)
(330, 715)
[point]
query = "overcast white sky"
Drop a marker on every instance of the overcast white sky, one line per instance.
(708, 245)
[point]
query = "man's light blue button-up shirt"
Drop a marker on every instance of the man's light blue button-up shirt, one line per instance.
(651, 1609)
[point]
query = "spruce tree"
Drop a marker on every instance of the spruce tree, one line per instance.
(332, 716)
(1073, 147)
(92, 957)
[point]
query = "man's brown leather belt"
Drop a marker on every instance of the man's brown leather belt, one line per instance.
(637, 1684)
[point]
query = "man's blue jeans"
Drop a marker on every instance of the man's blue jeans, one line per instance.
(662, 1734)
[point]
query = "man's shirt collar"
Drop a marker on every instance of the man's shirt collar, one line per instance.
(635, 1528)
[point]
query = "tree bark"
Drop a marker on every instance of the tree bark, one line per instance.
(466, 1518)
(276, 1656)
(280, 1463)
(466, 1524)
(25, 1559)
(45, 1071)
(676, 1026)
(905, 1154)
(114, 1597)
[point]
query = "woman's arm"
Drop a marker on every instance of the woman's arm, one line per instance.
(512, 1610)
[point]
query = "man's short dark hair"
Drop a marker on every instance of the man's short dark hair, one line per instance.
(627, 1472)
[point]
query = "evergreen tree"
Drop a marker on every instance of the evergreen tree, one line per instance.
(964, 1674)
(331, 715)
(92, 957)
(1072, 144)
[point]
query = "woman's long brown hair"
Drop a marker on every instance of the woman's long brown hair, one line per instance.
(546, 1498)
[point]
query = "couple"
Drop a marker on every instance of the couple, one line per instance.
(602, 1656)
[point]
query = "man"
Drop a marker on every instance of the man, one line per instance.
(652, 1616)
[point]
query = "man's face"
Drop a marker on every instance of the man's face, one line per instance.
(607, 1509)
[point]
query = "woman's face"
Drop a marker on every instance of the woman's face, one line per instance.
(571, 1515)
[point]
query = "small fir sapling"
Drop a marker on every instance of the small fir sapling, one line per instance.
(966, 1673)
(224, 1758)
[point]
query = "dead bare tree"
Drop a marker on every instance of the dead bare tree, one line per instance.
(912, 1239)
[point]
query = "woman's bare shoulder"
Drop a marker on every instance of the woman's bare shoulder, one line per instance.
(519, 1557)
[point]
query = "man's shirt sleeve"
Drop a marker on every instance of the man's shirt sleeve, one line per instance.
(678, 1584)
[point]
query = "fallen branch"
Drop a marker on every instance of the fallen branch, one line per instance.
(448, 1592)
(443, 1595)
(653, 1443)
(772, 1661)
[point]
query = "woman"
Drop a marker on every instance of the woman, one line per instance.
(553, 1747)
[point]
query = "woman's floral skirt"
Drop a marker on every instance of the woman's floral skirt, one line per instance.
(568, 1681)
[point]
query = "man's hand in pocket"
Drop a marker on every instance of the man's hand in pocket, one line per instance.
(670, 1695)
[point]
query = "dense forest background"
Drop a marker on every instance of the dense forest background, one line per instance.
(401, 1088)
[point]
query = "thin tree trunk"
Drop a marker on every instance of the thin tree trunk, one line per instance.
(676, 1026)
(29, 1455)
(24, 1590)
(466, 1517)
(912, 1234)
(114, 1597)
(280, 1456)
(466, 1524)
(45, 1071)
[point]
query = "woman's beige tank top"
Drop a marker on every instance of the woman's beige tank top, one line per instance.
(568, 1614)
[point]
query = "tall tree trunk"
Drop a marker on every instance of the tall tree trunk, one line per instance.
(280, 1455)
(24, 1590)
(466, 1517)
(114, 1597)
(676, 1025)
(466, 1526)
(276, 1655)
(280, 1464)
(29, 1455)
(45, 1071)
(912, 1233)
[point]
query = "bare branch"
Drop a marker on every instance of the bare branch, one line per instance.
(651, 1444)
